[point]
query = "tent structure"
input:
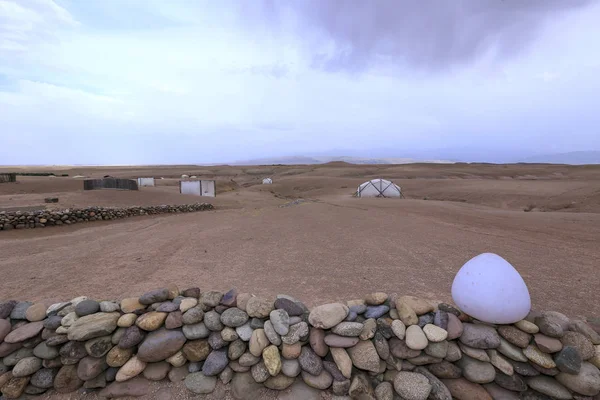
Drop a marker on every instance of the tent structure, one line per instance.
(379, 188)
(267, 181)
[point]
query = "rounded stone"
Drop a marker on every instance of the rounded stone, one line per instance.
(271, 334)
(480, 336)
(90, 367)
(550, 387)
(279, 382)
(154, 296)
(26, 366)
(476, 371)
(415, 338)
(160, 345)
(244, 332)
(258, 342)
(212, 320)
(412, 386)
(200, 383)
(272, 359)
(151, 321)
(399, 329)
(196, 350)
(234, 317)
(117, 357)
(364, 356)
(418, 305)
(435, 333)
(322, 381)
(309, 361)
(45, 352)
(215, 363)
(132, 336)
(87, 307)
(586, 383)
(93, 325)
(328, 315)
(131, 304)
(488, 288)
(133, 367)
(98, 347)
(44, 378)
(579, 341)
(157, 371)
(350, 329)
(66, 379)
(24, 332)
(109, 306)
(259, 307)
(280, 321)
(126, 320)
(196, 331)
(290, 367)
(36, 312)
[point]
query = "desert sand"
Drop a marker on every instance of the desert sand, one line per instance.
(329, 246)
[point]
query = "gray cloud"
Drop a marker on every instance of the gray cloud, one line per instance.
(427, 34)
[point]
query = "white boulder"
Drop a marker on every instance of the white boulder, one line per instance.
(488, 288)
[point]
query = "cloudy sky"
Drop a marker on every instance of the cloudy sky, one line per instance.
(154, 81)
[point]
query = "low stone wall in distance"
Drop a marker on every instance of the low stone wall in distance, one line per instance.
(380, 347)
(43, 218)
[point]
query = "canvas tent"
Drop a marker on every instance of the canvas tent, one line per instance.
(267, 181)
(379, 188)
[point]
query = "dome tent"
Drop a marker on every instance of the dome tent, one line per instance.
(267, 181)
(379, 188)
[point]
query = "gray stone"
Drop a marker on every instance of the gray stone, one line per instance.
(310, 361)
(322, 381)
(215, 363)
(229, 299)
(333, 369)
(445, 370)
(568, 360)
(236, 349)
(92, 326)
(26, 366)
(384, 391)
(480, 336)
(300, 390)
(259, 371)
(211, 298)
(350, 329)
(271, 334)
(44, 378)
(399, 349)
(24, 332)
(195, 366)
(14, 357)
(296, 332)
(194, 315)
(45, 352)
(234, 317)
(333, 340)
(132, 336)
(167, 306)
(290, 367)
(160, 345)
(215, 340)
(244, 332)
(381, 346)
(18, 311)
(212, 320)
(87, 307)
(98, 347)
(425, 319)
(244, 387)
(154, 296)
(196, 331)
(109, 306)
(257, 323)
(440, 318)
(6, 308)
(476, 371)
(412, 386)
(52, 322)
(552, 323)
(549, 387)
(437, 349)
(157, 371)
(280, 320)
(587, 382)
(291, 307)
(364, 356)
(376, 311)
(200, 383)
(134, 387)
(439, 391)
(510, 382)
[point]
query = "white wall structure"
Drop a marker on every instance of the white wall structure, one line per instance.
(209, 188)
(379, 188)
(267, 181)
(198, 188)
(145, 182)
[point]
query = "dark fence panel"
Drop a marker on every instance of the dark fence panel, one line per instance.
(10, 177)
(110, 183)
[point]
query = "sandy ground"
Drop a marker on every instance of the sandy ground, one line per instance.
(329, 247)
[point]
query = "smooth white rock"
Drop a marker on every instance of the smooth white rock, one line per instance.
(488, 288)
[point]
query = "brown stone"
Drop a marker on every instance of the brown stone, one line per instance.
(418, 305)
(131, 304)
(174, 320)
(117, 357)
(161, 344)
(196, 350)
(515, 336)
(66, 380)
(291, 351)
(26, 331)
(399, 349)
(317, 341)
(151, 321)
(375, 299)
(547, 344)
(36, 312)
(462, 389)
(582, 343)
(15, 387)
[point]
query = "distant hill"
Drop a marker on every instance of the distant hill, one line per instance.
(294, 160)
(573, 158)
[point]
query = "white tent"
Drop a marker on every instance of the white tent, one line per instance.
(267, 181)
(379, 188)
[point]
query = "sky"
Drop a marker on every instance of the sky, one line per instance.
(180, 81)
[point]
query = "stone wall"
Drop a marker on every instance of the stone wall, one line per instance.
(380, 347)
(44, 218)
